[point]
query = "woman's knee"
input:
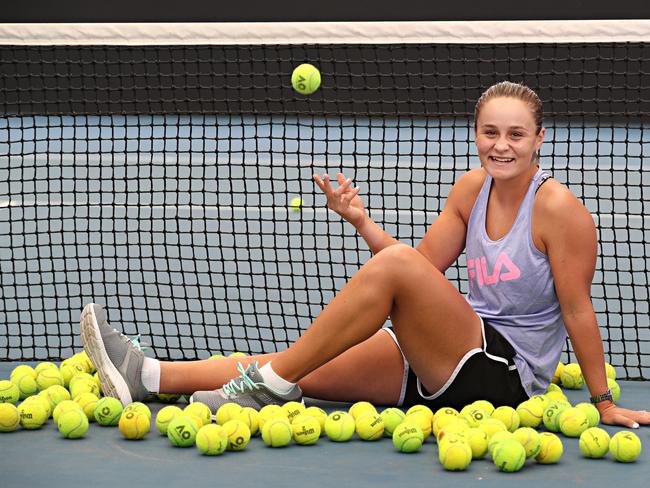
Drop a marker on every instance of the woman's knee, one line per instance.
(402, 259)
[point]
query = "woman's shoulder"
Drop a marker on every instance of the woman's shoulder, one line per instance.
(466, 189)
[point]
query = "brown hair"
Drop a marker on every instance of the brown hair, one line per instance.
(512, 90)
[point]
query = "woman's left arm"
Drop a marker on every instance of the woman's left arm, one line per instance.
(569, 235)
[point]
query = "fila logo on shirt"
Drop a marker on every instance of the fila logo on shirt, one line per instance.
(504, 270)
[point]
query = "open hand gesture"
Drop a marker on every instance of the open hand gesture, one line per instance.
(345, 200)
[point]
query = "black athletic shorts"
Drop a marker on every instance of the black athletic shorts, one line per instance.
(488, 373)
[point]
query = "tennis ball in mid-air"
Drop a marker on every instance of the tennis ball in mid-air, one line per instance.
(296, 204)
(573, 422)
(108, 411)
(625, 446)
(455, 456)
(407, 437)
(594, 442)
(73, 424)
(212, 439)
(306, 430)
(182, 431)
(9, 417)
(277, 432)
(32, 414)
(571, 377)
(305, 79)
(339, 426)
(392, 417)
(165, 415)
(369, 426)
(550, 448)
(134, 424)
(8, 392)
(238, 435)
(509, 456)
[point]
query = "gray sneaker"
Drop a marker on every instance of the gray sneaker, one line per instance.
(117, 359)
(247, 390)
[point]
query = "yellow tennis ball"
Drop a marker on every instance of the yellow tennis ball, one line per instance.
(529, 438)
(250, 417)
(441, 421)
(530, 414)
(542, 399)
(43, 399)
(423, 420)
(237, 354)
(478, 441)
(306, 430)
(509, 456)
(211, 439)
(573, 422)
(456, 427)
(21, 370)
(48, 377)
(392, 417)
(339, 426)
(407, 437)
(165, 415)
(370, 426)
(610, 372)
(9, 392)
(217, 356)
(592, 413)
(485, 406)
(508, 416)
(550, 448)
(168, 397)
(43, 366)
(69, 371)
(491, 426)
(616, 389)
(32, 414)
(9, 417)
(420, 409)
(625, 446)
(553, 387)
(293, 409)
(319, 414)
(277, 432)
(201, 410)
(84, 360)
(55, 394)
(268, 412)
(497, 438)
(455, 456)
(360, 407)
(474, 415)
(226, 412)
(87, 401)
(450, 411)
(140, 407)
(296, 204)
(305, 79)
(26, 384)
(73, 424)
(64, 406)
(557, 396)
(182, 430)
(558, 372)
(238, 435)
(83, 386)
(134, 424)
(571, 377)
(108, 411)
(594, 442)
(552, 415)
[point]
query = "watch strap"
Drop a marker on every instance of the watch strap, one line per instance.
(602, 397)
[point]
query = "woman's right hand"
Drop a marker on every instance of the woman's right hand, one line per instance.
(345, 201)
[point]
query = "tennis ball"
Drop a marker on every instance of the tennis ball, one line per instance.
(529, 438)
(226, 412)
(423, 420)
(616, 389)
(182, 430)
(319, 414)
(360, 407)
(455, 456)
(87, 401)
(211, 439)
(491, 426)
(497, 438)
(84, 360)
(571, 377)
(542, 399)
(557, 396)
(268, 412)
(43, 400)
(134, 424)
(140, 407)
(238, 435)
(339, 426)
(407, 437)
(550, 448)
(594, 442)
(201, 410)
(55, 394)
(167, 397)
(277, 432)
(296, 204)
(9, 392)
(625, 446)
(9, 417)
(478, 441)
(508, 416)
(250, 417)
(21, 370)
(165, 415)
(484, 405)
(81, 376)
(441, 421)
(73, 424)
(509, 456)
(305, 79)
(83, 386)
(217, 356)
(592, 413)
(573, 422)
(392, 417)
(25, 383)
(456, 427)
(43, 366)
(530, 413)
(49, 377)
(558, 372)
(64, 406)
(553, 387)
(32, 414)
(108, 411)
(370, 426)
(237, 354)
(306, 430)
(444, 411)
(610, 372)
(421, 409)
(293, 409)
(552, 415)
(474, 415)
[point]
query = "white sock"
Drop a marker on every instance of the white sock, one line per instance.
(151, 375)
(275, 382)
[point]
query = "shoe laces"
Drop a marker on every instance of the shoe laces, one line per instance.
(242, 383)
(134, 341)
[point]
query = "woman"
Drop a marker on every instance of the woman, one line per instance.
(531, 254)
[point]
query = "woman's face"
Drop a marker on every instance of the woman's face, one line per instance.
(506, 137)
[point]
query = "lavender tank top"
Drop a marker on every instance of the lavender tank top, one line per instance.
(511, 286)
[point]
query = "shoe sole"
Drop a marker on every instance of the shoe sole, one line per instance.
(110, 378)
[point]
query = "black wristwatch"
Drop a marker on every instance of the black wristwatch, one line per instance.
(602, 397)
